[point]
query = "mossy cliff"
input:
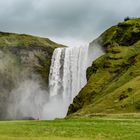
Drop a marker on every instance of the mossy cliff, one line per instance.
(30, 51)
(113, 84)
(22, 56)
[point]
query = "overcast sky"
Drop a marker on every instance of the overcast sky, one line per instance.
(71, 22)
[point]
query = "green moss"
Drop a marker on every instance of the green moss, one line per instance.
(125, 33)
(113, 79)
(23, 40)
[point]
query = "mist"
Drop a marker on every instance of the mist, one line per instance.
(95, 50)
(30, 101)
(27, 100)
(23, 94)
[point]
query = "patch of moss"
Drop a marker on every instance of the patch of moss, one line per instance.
(125, 33)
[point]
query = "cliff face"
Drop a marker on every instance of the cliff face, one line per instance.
(114, 78)
(22, 56)
(30, 51)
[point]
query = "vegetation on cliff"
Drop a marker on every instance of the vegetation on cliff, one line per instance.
(113, 79)
(30, 51)
(21, 57)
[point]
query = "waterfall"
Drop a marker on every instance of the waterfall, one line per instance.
(67, 77)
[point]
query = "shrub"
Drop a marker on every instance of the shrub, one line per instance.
(130, 89)
(123, 96)
(127, 18)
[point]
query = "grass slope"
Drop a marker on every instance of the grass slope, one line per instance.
(24, 40)
(72, 129)
(114, 78)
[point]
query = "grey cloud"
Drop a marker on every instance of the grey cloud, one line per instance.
(80, 19)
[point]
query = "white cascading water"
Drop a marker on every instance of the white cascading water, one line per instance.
(66, 78)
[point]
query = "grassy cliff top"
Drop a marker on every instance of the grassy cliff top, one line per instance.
(14, 39)
(114, 78)
(125, 33)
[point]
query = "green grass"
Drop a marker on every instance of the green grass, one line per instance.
(24, 40)
(106, 128)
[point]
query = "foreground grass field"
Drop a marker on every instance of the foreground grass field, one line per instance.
(72, 129)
